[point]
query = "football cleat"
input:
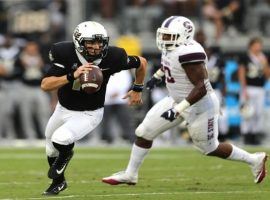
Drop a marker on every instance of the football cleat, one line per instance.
(120, 178)
(258, 169)
(55, 188)
(59, 166)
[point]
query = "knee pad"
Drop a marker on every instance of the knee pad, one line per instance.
(143, 132)
(139, 131)
(63, 136)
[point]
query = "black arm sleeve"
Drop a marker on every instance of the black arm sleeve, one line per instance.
(133, 62)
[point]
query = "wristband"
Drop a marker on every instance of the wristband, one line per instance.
(70, 76)
(182, 106)
(137, 87)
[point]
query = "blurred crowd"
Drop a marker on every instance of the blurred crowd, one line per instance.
(28, 28)
(218, 18)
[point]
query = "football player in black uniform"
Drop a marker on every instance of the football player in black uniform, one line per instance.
(254, 70)
(78, 113)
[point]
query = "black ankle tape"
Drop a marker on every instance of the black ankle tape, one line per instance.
(63, 148)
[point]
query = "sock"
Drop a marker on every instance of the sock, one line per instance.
(61, 178)
(136, 159)
(242, 155)
(64, 150)
(51, 160)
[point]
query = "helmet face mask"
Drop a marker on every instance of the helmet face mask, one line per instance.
(174, 31)
(87, 33)
(167, 40)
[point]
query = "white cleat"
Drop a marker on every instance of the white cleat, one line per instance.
(120, 178)
(259, 169)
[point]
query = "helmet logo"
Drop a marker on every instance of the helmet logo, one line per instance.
(77, 34)
(188, 26)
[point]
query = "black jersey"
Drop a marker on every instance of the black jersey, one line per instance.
(64, 60)
(254, 71)
(215, 68)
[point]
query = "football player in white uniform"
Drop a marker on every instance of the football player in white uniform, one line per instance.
(191, 98)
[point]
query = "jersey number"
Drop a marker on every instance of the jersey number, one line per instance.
(169, 77)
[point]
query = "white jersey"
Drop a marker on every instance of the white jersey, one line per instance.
(177, 82)
(201, 117)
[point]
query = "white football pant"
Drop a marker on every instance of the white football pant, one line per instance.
(67, 126)
(254, 124)
(201, 118)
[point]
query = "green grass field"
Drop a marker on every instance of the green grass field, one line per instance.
(181, 173)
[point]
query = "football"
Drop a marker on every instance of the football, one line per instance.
(91, 82)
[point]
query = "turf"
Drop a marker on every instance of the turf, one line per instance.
(177, 173)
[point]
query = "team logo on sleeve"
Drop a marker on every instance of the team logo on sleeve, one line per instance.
(51, 56)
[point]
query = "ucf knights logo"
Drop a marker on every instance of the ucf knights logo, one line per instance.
(77, 34)
(51, 56)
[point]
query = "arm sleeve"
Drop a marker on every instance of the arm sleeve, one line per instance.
(133, 62)
(123, 61)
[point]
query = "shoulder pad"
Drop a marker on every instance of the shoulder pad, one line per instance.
(116, 52)
(60, 51)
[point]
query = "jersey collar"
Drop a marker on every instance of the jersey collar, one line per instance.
(84, 61)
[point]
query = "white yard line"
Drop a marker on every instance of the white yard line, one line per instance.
(104, 156)
(38, 182)
(139, 194)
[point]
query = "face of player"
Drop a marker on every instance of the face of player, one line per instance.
(32, 49)
(167, 37)
(93, 48)
(256, 47)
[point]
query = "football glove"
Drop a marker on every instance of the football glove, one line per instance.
(170, 114)
(153, 82)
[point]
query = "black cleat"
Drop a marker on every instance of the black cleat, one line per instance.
(55, 188)
(59, 166)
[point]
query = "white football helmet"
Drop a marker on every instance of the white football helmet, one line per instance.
(174, 31)
(87, 31)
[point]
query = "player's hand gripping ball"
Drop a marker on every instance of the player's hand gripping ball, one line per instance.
(92, 80)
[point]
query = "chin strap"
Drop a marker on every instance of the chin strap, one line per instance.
(84, 61)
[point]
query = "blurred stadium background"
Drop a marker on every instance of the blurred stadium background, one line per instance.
(29, 27)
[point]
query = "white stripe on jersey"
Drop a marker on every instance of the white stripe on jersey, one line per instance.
(59, 65)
